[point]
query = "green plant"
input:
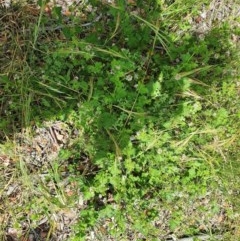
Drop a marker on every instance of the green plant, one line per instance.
(158, 115)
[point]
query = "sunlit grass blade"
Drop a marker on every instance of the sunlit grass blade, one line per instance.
(116, 27)
(190, 93)
(51, 88)
(131, 112)
(60, 84)
(67, 51)
(110, 52)
(194, 71)
(164, 41)
(184, 142)
(117, 148)
(197, 82)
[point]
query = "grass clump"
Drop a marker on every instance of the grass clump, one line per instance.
(157, 110)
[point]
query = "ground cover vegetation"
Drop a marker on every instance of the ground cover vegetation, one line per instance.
(155, 106)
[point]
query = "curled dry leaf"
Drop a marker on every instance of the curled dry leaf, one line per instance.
(5, 160)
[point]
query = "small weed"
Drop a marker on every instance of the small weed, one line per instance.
(157, 108)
